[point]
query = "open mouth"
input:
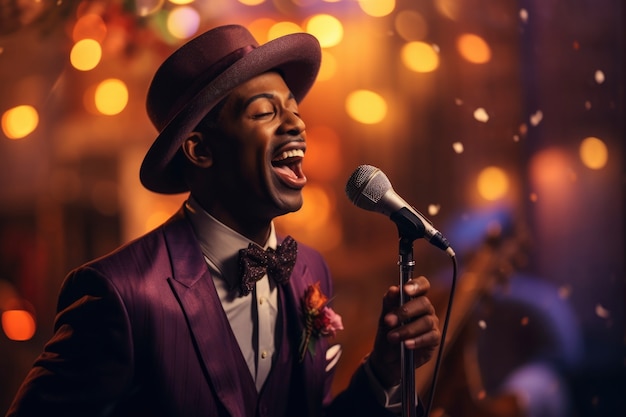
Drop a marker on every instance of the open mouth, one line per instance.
(287, 165)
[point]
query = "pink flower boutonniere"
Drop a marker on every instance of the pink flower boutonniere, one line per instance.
(319, 319)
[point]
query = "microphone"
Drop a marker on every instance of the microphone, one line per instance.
(370, 189)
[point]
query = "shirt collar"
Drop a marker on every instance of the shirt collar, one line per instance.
(219, 243)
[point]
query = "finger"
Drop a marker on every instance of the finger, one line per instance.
(417, 286)
(415, 329)
(391, 300)
(425, 340)
(413, 308)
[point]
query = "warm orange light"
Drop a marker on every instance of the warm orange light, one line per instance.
(593, 153)
(282, 29)
(323, 160)
(326, 28)
(89, 26)
(411, 25)
(366, 107)
(260, 28)
(473, 48)
(420, 57)
(111, 96)
(19, 121)
(492, 183)
(377, 8)
(18, 324)
(449, 8)
(328, 68)
(148, 7)
(183, 22)
(251, 2)
(85, 54)
(315, 215)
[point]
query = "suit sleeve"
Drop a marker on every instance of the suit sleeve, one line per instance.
(86, 367)
(359, 399)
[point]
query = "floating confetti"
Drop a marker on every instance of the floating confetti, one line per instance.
(482, 324)
(536, 118)
(525, 321)
(515, 138)
(523, 15)
(533, 197)
(523, 129)
(602, 312)
(565, 292)
(588, 105)
(433, 209)
(458, 101)
(458, 147)
(599, 76)
(481, 115)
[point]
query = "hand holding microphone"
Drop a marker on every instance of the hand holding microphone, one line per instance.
(413, 324)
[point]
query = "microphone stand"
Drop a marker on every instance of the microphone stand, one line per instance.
(407, 362)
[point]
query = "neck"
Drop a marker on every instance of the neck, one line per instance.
(255, 229)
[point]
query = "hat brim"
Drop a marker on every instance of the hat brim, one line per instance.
(296, 56)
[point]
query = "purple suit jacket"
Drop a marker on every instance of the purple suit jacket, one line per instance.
(141, 331)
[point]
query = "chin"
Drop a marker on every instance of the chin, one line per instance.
(289, 205)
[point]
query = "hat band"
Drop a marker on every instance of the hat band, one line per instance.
(224, 62)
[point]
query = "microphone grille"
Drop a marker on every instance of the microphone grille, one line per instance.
(366, 186)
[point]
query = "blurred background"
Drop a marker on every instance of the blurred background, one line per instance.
(500, 120)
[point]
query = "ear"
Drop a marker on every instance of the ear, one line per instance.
(197, 150)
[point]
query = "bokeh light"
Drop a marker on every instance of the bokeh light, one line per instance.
(19, 121)
(492, 183)
(410, 25)
(419, 57)
(377, 8)
(85, 54)
(593, 153)
(89, 26)
(323, 159)
(183, 22)
(260, 28)
(327, 29)
(111, 96)
(281, 29)
(251, 2)
(449, 8)
(366, 106)
(315, 215)
(328, 68)
(18, 325)
(473, 48)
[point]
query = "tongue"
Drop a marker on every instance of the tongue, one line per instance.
(291, 175)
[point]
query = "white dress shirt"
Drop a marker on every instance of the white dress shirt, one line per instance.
(220, 246)
(253, 317)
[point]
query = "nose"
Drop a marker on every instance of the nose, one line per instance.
(292, 124)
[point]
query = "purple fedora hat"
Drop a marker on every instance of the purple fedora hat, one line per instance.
(202, 72)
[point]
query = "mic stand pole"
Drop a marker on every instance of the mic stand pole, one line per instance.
(407, 363)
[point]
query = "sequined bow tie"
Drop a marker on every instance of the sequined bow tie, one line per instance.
(254, 262)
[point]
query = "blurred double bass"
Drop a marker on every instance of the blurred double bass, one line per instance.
(459, 390)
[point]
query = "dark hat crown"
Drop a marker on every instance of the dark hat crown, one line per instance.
(193, 66)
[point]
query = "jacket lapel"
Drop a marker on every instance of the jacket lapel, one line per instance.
(311, 368)
(207, 321)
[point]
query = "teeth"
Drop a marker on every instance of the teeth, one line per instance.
(289, 154)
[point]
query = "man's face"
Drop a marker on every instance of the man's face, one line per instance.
(259, 153)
